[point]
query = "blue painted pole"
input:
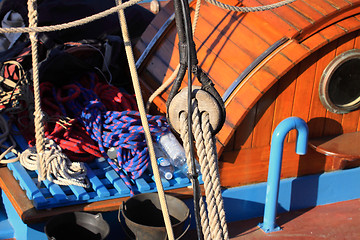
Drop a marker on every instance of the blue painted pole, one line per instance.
(276, 152)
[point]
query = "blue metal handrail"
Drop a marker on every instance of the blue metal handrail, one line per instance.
(276, 152)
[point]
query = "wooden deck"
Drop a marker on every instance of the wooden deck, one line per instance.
(332, 221)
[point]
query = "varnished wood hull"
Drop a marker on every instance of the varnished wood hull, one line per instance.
(260, 90)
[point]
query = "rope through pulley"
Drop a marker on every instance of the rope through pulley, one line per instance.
(216, 226)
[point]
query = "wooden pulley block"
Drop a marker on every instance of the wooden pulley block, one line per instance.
(206, 103)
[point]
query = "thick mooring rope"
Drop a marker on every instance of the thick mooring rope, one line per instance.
(213, 215)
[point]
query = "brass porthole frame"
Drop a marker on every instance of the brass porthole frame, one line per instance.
(326, 78)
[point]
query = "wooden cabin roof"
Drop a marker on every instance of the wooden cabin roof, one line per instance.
(245, 54)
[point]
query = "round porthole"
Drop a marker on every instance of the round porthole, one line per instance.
(339, 88)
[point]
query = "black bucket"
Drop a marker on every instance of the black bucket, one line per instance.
(77, 225)
(143, 217)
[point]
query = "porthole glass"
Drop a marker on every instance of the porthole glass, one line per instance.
(339, 88)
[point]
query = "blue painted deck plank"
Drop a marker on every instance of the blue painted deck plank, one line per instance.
(180, 178)
(142, 185)
(118, 183)
(96, 183)
(79, 192)
(56, 191)
(164, 182)
(32, 191)
(101, 176)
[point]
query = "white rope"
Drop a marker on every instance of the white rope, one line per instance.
(212, 214)
(144, 121)
(58, 167)
(67, 25)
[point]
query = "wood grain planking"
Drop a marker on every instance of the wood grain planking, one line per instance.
(243, 133)
(303, 90)
(333, 32)
(263, 29)
(214, 40)
(238, 112)
(251, 165)
(156, 24)
(317, 114)
(231, 26)
(350, 24)
(321, 6)
(315, 41)
(284, 27)
(284, 101)
(263, 124)
(306, 10)
(338, 4)
(290, 15)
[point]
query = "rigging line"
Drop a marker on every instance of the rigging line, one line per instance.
(72, 23)
(191, 62)
(140, 102)
(250, 9)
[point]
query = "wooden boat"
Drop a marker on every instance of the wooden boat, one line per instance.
(267, 66)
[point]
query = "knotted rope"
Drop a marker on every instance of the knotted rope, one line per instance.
(58, 168)
(212, 213)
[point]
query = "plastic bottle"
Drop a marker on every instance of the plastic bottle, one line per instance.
(176, 152)
(166, 170)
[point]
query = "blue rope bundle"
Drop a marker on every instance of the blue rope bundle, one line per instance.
(121, 130)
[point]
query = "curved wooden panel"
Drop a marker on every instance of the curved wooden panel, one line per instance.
(267, 66)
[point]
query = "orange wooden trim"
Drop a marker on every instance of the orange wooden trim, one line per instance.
(281, 67)
(329, 20)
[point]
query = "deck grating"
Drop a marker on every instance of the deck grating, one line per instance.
(105, 184)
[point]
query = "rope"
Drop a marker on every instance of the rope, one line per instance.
(58, 168)
(5, 136)
(57, 27)
(38, 115)
(170, 80)
(139, 100)
(250, 9)
(67, 132)
(212, 214)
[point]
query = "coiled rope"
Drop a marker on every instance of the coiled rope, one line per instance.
(121, 130)
(58, 168)
(212, 213)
